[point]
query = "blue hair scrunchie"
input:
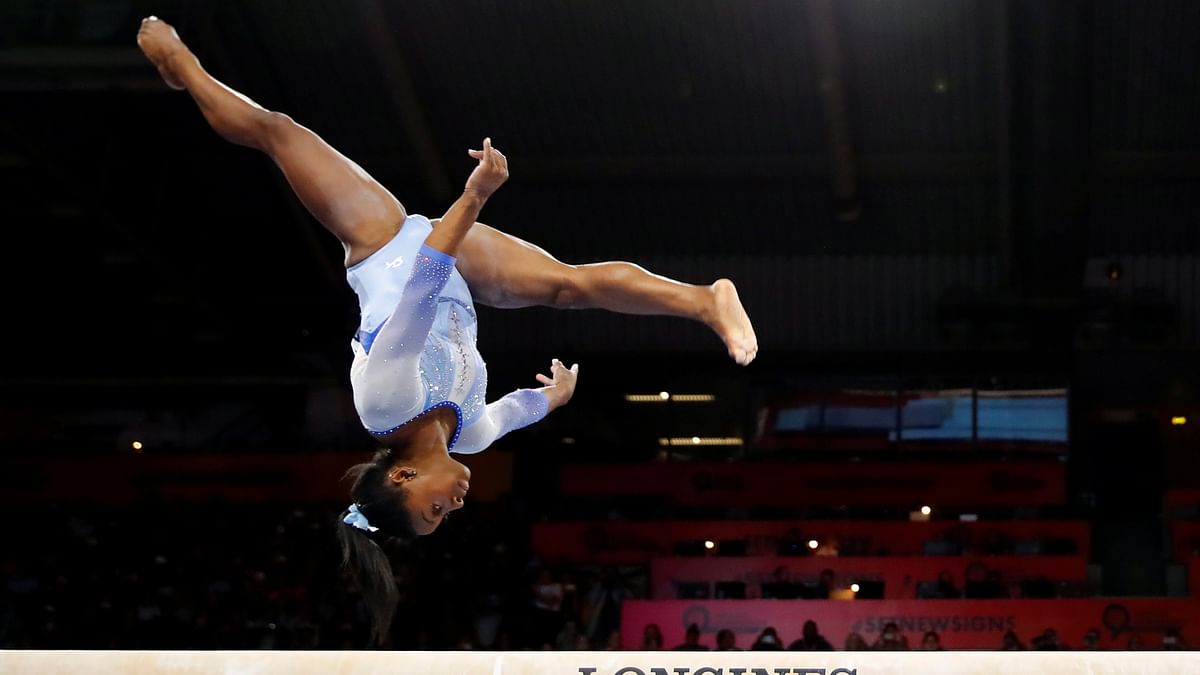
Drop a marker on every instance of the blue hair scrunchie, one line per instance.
(358, 519)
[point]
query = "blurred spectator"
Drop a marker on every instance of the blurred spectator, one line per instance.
(568, 637)
(1011, 643)
(601, 610)
(1091, 640)
(856, 643)
(826, 583)
(1047, 641)
(726, 641)
(792, 543)
(547, 592)
(1135, 643)
(780, 586)
(768, 641)
(931, 642)
(1172, 640)
(811, 640)
(652, 639)
(945, 586)
(545, 619)
(984, 583)
(691, 640)
(891, 639)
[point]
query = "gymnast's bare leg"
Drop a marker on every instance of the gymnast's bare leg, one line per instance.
(501, 270)
(513, 273)
(339, 193)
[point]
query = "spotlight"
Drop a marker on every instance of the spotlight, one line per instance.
(854, 587)
(813, 544)
(136, 445)
(1178, 420)
(925, 510)
(647, 398)
(710, 544)
(701, 440)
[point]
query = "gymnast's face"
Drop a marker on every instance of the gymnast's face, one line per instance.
(432, 490)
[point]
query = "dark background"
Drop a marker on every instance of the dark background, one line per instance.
(913, 193)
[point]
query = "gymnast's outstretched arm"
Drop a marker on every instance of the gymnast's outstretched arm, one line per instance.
(488, 176)
(520, 408)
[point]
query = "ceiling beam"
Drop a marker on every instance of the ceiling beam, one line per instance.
(72, 58)
(306, 225)
(1175, 165)
(1004, 164)
(401, 94)
(75, 69)
(831, 87)
(741, 169)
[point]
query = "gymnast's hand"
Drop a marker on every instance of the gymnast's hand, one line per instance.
(560, 386)
(491, 172)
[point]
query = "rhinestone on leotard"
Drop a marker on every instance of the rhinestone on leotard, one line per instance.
(448, 368)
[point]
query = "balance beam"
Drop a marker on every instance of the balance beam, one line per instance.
(596, 663)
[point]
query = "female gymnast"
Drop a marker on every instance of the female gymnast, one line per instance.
(419, 382)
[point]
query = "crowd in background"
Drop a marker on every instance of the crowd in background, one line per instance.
(218, 576)
(891, 638)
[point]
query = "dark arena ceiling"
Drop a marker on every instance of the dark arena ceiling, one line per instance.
(857, 166)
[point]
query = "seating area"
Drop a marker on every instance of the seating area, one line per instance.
(632, 542)
(981, 553)
(894, 578)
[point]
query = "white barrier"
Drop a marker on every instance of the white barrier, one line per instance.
(597, 663)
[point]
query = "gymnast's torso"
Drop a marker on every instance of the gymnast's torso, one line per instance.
(415, 349)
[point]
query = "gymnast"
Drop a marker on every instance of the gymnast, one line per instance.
(418, 380)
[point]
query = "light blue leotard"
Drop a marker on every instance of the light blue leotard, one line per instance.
(415, 348)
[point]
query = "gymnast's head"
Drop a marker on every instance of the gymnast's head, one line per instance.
(403, 492)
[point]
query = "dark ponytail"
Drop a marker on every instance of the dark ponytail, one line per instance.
(362, 550)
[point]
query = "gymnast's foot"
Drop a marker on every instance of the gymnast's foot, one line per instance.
(161, 44)
(730, 321)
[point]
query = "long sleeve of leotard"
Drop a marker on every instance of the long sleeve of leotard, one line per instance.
(509, 413)
(391, 392)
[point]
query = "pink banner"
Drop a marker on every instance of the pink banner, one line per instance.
(622, 543)
(900, 576)
(908, 485)
(961, 624)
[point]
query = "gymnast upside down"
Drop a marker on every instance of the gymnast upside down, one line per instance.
(419, 381)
